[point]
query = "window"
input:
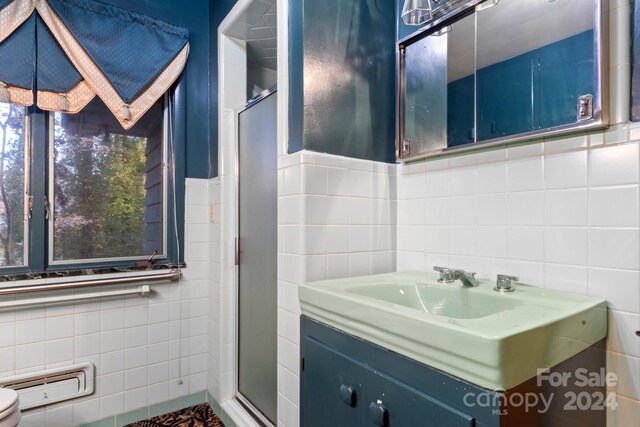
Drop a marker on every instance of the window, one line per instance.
(13, 233)
(104, 192)
(106, 186)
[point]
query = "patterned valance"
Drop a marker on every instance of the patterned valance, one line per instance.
(62, 53)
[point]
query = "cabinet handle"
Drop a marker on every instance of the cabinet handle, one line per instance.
(348, 395)
(378, 413)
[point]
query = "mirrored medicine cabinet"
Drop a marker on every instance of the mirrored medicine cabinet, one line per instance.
(491, 72)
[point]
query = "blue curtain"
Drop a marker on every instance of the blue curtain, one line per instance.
(129, 48)
(17, 56)
(55, 73)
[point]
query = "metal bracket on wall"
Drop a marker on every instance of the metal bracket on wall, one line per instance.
(585, 107)
(405, 149)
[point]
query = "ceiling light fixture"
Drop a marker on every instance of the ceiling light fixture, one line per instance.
(486, 5)
(416, 12)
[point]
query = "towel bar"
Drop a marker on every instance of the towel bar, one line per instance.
(171, 275)
(143, 291)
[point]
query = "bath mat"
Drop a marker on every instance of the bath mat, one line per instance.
(195, 416)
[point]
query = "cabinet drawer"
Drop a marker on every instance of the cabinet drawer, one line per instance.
(407, 406)
(326, 375)
(338, 390)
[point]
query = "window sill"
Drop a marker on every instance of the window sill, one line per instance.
(79, 274)
(117, 284)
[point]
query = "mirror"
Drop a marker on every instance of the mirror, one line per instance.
(438, 105)
(500, 71)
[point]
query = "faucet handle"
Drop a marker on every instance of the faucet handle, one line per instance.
(446, 274)
(503, 283)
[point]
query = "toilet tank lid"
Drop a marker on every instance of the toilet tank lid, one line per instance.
(8, 397)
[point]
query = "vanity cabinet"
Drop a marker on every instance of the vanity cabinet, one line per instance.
(346, 381)
(354, 393)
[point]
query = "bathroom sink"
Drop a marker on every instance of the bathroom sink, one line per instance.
(436, 299)
(491, 339)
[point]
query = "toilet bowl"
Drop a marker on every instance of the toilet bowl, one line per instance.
(9, 412)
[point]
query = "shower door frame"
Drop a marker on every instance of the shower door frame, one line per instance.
(244, 401)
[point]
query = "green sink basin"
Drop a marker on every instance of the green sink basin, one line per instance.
(495, 340)
(435, 299)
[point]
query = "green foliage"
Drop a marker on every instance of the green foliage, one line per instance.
(11, 184)
(124, 222)
(100, 195)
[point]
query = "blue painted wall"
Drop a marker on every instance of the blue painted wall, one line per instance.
(296, 75)
(345, 52)
(201, 18)
(460, 111)
(531, 91)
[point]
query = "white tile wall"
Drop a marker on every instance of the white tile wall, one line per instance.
(136, 344)
(544, 235)
(336, 218)
(345, 218)
(560, 218)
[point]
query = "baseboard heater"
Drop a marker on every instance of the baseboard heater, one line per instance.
(42, 388)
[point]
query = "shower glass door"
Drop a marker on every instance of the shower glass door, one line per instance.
(257, 256)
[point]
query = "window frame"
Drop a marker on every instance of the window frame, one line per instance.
(38, 145)
(26, 251)
(51, 179)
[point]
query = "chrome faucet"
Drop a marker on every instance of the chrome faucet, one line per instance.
(450, 275)
(503, 283)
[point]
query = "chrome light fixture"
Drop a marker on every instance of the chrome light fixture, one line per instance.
(489, 3)
(416, 12)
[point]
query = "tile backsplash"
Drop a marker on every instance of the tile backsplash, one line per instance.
(336, 218)
(563, 214)
(547, 212)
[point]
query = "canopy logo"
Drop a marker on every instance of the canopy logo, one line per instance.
(579, 390)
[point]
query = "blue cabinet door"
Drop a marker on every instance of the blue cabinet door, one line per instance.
(340, 388)
(331, 387)
(390, 402)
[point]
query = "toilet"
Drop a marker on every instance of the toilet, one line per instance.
(9, 412)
